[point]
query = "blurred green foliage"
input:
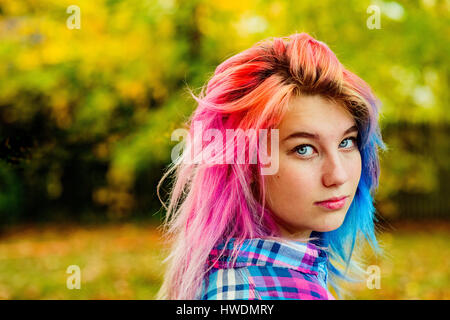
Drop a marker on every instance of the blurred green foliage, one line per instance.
(86, 114)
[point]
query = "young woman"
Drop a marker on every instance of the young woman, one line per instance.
(273, 190)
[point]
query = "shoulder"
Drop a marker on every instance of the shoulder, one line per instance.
(262, 283)
(229, 284)
(287, 284)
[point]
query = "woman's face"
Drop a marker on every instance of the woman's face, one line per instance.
(313, 169)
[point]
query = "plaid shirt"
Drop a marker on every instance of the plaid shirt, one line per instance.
(265, 270)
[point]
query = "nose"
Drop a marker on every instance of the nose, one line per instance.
(334, 170)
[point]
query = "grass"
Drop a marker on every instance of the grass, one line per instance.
(415, 265)
(125, 262)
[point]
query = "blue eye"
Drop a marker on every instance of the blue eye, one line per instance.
(353, 139)
(302, 149)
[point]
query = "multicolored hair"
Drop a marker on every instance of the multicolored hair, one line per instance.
(209, 203)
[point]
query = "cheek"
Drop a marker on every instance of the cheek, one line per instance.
(355, 168)
(290, 184)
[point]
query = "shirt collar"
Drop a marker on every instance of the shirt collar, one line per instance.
(296, 255)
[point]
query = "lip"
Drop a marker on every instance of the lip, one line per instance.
(333, 203)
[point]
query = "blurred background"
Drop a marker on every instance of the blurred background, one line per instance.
(90, 92)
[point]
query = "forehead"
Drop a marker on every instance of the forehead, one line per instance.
(315, 114)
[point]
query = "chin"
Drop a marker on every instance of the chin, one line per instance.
(331, 224)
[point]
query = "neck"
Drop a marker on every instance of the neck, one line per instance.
(296, 235)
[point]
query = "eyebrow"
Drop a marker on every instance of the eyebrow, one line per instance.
(302, 134)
